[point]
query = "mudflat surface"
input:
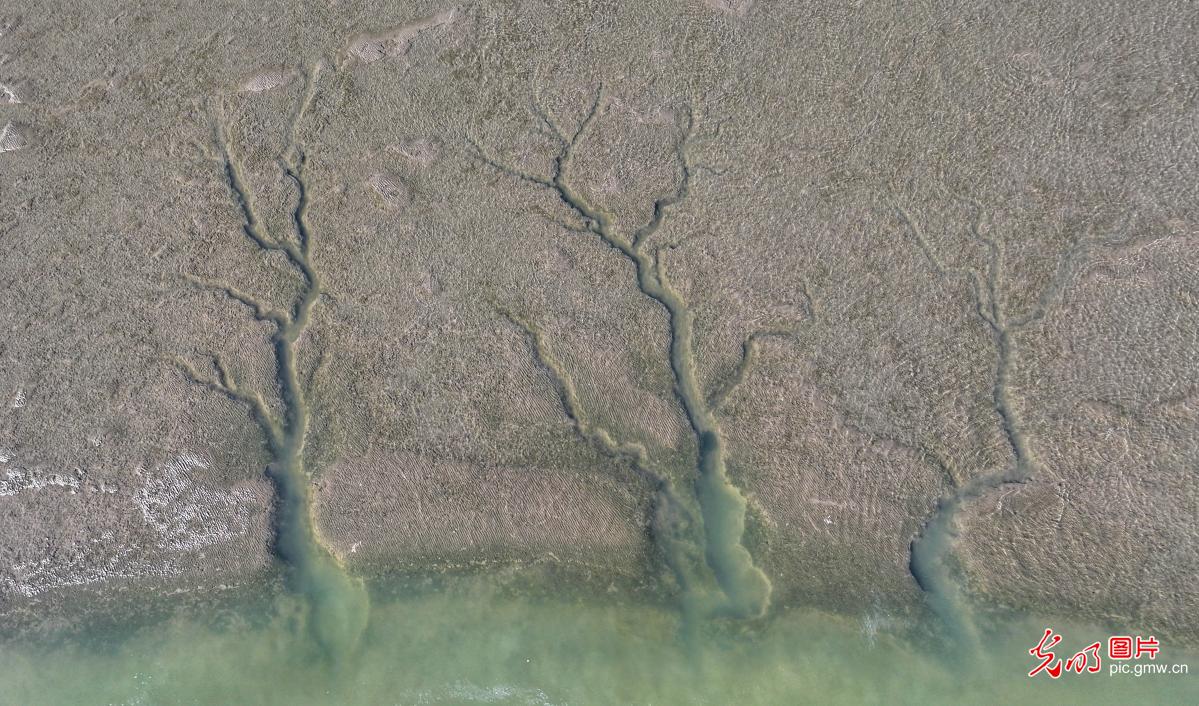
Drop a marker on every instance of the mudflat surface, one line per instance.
(496, 273)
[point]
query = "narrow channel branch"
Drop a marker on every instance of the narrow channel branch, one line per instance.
(596, 220)
(262, 312)
(596, 103)
(750, 349)
(308, 93)
(548, 122)
(680, 192)
(749, 353)
(672, 519)
(252, 226)
(983, 300)
(483, 156)
(226, 385)
(1051, 293)
(568, 395)
(988, 300)
(938, 458)
(254, 229)
(294, 171)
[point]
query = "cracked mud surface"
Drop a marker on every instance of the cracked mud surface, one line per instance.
(734, 309)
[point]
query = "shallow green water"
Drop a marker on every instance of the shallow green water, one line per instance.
(468, 644)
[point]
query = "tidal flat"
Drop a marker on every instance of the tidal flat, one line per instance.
(515, 351)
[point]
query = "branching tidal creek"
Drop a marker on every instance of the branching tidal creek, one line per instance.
(932, 549)
(336, 604)
(699, 533)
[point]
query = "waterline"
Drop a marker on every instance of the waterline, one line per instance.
(471, 641)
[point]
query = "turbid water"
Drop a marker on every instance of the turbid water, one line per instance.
(472, 643)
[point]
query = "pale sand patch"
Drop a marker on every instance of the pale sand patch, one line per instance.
(267, 79)
(394, 42)
(10, 139)
(391, 189)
